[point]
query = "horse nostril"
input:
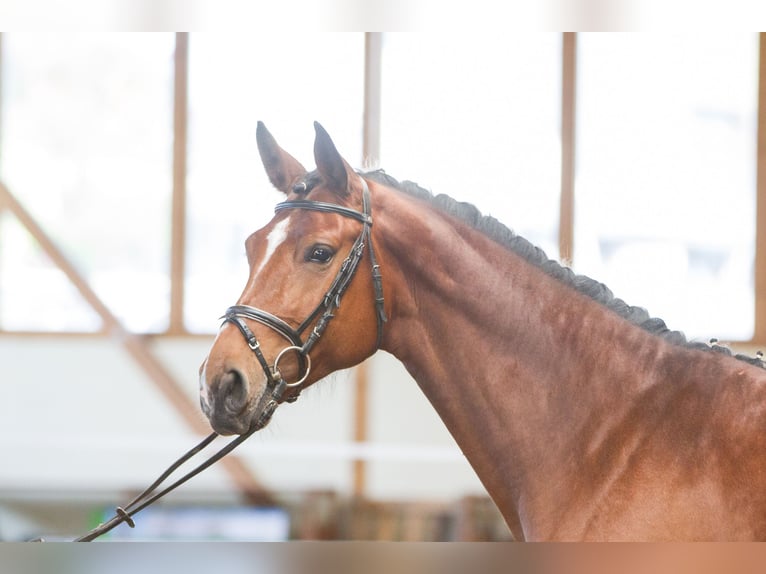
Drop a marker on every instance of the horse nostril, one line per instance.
(233, 391)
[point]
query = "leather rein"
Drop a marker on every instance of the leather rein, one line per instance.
(276, 384)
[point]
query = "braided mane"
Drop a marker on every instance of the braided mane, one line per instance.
(492, 228)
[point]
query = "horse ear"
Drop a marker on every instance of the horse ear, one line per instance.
(282, 168)
(331, 166)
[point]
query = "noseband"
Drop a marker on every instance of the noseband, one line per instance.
(322, 314)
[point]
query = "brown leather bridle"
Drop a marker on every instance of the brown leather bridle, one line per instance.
(276, 385)
(322, 314)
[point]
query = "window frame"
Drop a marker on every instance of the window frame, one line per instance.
(370, 129)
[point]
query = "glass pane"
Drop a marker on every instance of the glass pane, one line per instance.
(87, 149)
(477, 117)
(288, 82)
(34, 294)
(665, 178)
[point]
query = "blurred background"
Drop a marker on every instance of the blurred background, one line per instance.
(130, 178)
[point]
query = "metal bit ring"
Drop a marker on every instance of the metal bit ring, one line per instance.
(298, 350)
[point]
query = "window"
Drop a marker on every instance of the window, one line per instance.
(665, 150)
(665, 178)
(86, 147)
(477, 118)
(234, 81)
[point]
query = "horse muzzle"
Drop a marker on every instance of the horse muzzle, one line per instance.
(227, 403)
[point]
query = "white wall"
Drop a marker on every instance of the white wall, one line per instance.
(80, 419)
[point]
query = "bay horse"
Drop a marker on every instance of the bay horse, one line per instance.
(584, 418)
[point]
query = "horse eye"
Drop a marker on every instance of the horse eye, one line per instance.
(320, 254)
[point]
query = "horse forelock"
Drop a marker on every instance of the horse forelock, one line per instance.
(597, 291)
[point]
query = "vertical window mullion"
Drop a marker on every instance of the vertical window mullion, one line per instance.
(759, 335)
(371, 157)
(568, 103)
(178, 215)
(372, 97)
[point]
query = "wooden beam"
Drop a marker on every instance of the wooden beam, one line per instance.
(135, 346)
(373, 45)
(759, 335)
(178, 223)
(361, 391)
(568, 93)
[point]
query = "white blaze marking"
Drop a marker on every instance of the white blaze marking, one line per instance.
(273, 240)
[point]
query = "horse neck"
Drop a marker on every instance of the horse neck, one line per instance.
(522, 369)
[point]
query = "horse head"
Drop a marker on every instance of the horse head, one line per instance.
(288, 328)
